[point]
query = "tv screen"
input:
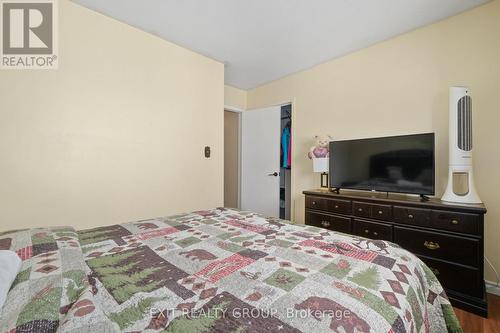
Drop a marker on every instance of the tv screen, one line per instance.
(403, 164)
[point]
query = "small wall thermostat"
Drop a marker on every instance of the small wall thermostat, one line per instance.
(207, 152)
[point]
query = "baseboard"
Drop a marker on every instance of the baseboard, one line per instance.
(492, 288)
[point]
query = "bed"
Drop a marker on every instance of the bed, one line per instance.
(219, 270)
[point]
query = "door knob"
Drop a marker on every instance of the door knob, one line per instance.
(275, 174)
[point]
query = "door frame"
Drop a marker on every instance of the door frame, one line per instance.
(238, 111)
(293, 170)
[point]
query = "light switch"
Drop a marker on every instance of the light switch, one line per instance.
(207, 152)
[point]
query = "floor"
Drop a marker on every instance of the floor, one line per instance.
(475, 324)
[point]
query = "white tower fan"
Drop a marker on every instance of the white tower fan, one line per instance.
(460, 177)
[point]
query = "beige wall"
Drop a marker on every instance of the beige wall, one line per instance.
(117, 133)
(401, 86)
(235, 98)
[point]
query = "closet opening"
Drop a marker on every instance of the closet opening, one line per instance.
(285, 162)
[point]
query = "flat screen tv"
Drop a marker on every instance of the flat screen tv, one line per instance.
(402, 164)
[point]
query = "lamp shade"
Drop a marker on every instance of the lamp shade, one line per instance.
(320, 164)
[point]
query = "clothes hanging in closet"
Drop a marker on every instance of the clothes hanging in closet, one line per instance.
(286, 137)
(289, 161)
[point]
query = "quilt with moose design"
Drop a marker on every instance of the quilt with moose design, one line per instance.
(218, 271)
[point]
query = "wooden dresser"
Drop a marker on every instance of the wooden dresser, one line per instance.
(449, 238)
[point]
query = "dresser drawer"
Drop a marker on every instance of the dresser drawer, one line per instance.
(440, 246)
(415, 216)
(331, 222)
(361, 209)
(458, 222)
(454, 277)
(316, 203)
(339, 206)
(374, 230)
(381, 212)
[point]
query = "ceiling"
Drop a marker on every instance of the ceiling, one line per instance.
(263, 40)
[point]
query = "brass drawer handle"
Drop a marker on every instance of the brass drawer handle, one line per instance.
(435, 271)
(455, 222)
(380, 212)
(314, 203)
(336, 206)
(368, 231)
(431, 245)
(325, 223)
(410, 216)
(360, 209)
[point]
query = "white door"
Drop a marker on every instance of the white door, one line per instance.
(260, 160)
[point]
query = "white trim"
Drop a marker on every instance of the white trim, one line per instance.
(293, 170)
(240, 126)
(232, 109)
(492, 288)
(271, 105)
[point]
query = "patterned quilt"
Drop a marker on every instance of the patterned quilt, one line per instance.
(218, 271)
